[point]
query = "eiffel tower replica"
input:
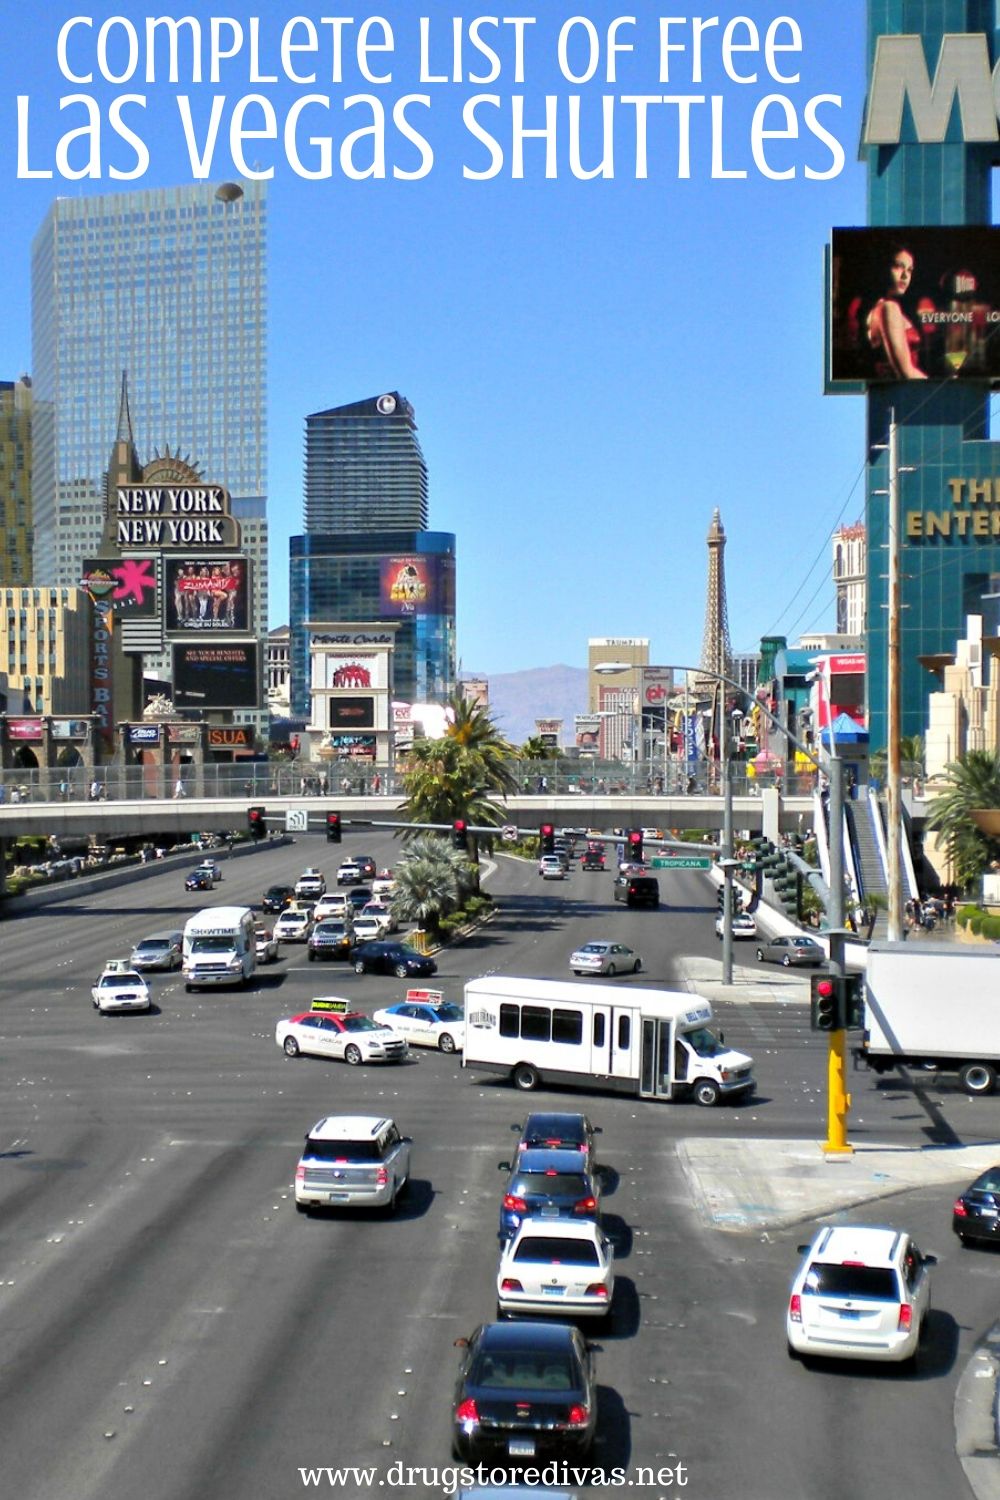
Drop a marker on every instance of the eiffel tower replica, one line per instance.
(716, 650)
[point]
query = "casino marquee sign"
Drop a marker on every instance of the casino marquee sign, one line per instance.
(166, 516)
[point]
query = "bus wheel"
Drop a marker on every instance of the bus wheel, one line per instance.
(706, 1092)
(977, 1078)
(525, 1077)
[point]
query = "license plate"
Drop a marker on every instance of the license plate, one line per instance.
(987, 1213)
(338, 1197)
(549, 1212)
(521, 1448)
(553, 1291)
(849, 1315)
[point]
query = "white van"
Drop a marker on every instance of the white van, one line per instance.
(220, 947)
(653, 1043)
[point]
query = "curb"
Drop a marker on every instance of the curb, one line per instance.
(977, 1440)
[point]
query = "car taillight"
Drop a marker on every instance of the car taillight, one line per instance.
(585, 1206)
(381, 1177)
(511, 1284)
(578, 1416)
(597, 1290)
(300, 1172)
(466, 1411)
(795, 1308)
(959, 1210)
(514, 1205)
(905, 1317)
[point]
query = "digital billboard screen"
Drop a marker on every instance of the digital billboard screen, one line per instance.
(352, 713)
(205, 595)
(216, 676)
(420, 584)
(915, 304)
(129, 584)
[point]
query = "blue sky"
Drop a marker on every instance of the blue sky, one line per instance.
(595, 365)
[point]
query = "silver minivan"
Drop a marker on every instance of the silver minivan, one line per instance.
(161, 950)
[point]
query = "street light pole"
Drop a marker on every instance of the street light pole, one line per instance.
(726, 844)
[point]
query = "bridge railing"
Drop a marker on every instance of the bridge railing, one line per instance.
(258, 780)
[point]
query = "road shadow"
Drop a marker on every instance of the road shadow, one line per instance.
(936, 1356)
(619, 1233)
(625, 1317)
(413, 1203)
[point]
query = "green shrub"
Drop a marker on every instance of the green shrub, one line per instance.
(964, 914)
(990, 927)
(976, 921)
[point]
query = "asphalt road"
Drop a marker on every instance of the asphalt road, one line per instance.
(172, 1329)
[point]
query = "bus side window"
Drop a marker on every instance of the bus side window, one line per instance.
(599, 1028)
(624, 1033)
(510, 1020)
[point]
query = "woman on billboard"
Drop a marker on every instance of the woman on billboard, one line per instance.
(890, 327)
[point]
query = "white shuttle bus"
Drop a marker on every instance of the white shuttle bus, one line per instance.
(654, 1043)
(220, 947)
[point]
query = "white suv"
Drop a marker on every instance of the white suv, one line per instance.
(352, 1161)
(310, 883)
(860, 1293)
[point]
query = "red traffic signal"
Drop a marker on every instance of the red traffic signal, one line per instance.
(459, 831)
(256, 822)
(333, 829)
(826, 1002)
(633, 846)
(546, 838)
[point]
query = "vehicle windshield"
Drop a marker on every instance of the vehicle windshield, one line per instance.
(343, 1150)
(558, 1251)
(525, 1369)
(824, 1278)
(448, 1013)
(361, 1023)
(559, 1185)
(218, 943)
(116, 981)
(704, 1042)
(330, 929)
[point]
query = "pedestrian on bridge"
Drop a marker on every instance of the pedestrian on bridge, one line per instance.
(179, 788)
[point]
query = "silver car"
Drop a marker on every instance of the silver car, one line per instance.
(798, 952)
(605, 958)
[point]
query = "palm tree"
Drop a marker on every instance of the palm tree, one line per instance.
(973, 782)
(462, 774)
(911, 759)
(431, 881)
(536, 748)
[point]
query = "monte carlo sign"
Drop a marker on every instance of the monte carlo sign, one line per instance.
(963, 75)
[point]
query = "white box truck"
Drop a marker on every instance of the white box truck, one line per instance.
(653, 1043)
(933, 1005)
(220, 947)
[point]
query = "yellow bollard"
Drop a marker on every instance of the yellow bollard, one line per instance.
(838, 1099)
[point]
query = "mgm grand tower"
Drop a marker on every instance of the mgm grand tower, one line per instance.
(914, 324)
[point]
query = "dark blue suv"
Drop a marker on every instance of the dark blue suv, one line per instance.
(545, 1184)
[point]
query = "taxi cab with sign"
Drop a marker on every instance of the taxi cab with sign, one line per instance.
(120, 989)
(345, 1034)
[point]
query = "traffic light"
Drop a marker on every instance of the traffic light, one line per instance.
(770, 859)
(633, 845)
(854, 1002)
(458, 833)
(546, 838)
(826, 1002)
(720, 899)
(333, 830)
(255, 822)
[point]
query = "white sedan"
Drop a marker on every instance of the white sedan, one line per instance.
(744, 925)
(349, 1035)
(383, 914)
(605, 958)
(293, 927)
(367, 929)
(427, 1023)
(266, 944)
(120, 989)
(556, 1266)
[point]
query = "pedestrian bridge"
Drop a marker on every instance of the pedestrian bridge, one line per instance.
(175, 818)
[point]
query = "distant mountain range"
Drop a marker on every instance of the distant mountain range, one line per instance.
(517, 699)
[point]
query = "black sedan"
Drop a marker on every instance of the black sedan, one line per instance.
(277, 897)
(199, 880)
(525, 1392)
(392, 958)
(366, 865)
(976, 1212)
(558, 1132)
